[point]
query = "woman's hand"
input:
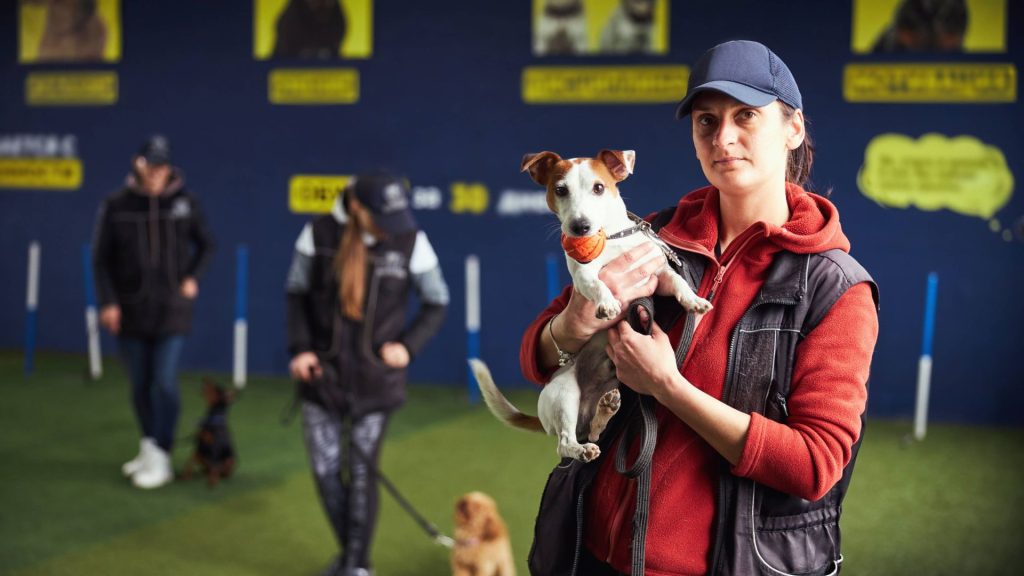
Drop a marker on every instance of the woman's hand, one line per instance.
(110, 318)
(305, 366)
(628, 277)
(394, 354)
(647, 364)
(189, 288)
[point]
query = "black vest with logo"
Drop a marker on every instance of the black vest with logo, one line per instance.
(358, 382)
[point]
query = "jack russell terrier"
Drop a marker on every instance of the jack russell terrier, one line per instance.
(583, 394)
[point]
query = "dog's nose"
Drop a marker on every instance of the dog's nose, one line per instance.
(580, 227)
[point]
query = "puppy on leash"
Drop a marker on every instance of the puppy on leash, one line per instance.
(583, 394)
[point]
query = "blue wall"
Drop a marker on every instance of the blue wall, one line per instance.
(440, 101)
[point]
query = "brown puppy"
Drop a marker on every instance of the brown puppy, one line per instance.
(482, 547)
(74, 32)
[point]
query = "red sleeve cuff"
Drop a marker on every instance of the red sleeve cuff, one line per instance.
(753, 446)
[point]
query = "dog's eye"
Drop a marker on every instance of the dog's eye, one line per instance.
(561, 190)
(598, 188)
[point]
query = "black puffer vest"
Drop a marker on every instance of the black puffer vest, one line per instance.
(362, 383)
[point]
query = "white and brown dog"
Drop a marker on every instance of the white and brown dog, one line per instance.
(583, 394)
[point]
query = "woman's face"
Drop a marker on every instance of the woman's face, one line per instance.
(743, 149)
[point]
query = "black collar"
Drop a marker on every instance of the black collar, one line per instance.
(644, 227)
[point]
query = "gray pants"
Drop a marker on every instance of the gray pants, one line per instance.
(346, 483)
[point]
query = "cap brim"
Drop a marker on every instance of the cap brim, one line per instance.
(396, 222)
(742, 92)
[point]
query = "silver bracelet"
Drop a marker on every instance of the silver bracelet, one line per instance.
(564, 358)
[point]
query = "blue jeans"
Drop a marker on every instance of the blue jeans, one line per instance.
(152, 364)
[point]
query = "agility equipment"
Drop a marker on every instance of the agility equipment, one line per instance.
(31, 303)
(924, 365)
(92, 326)
(472, 321)
(241, 324)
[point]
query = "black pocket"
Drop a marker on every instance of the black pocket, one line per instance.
(558, 532)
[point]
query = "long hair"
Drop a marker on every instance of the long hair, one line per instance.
(350, 261)
(801, 159)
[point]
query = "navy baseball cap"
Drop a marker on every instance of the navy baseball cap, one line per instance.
(748, 71)
(156, 150)
(387, 197)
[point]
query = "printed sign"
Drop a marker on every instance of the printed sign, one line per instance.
(313, 86)
(321, 30)
(314, 194)
(935, 172)
(469, 197)
(64, 31)
(975, 83)
(585, 27)
(932, 26)
(604, 84)
(39, 161)
(71, 88)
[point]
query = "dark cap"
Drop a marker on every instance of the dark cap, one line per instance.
(387, 197)
(748, 71)
(156, 150)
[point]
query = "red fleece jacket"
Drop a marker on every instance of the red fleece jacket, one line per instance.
(804, 457)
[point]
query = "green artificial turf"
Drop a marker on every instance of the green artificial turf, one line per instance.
(949, 505)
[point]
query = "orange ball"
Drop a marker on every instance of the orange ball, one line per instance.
(583, 249)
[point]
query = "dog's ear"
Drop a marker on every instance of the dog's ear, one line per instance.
(492, 529)
(539, 164)
(619, 162)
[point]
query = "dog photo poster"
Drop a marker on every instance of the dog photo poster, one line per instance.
(592, 27)
(312, 29)
(69, 31)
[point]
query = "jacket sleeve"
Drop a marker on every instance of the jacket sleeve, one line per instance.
(102, 248)
(432, 290)
(202, 240)
(805, 456)
(531, 338)
(297, 287)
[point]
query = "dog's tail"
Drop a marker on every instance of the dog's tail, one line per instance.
(499, 405)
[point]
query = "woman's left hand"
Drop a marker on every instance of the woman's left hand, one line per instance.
(647, 364)
(394, 354)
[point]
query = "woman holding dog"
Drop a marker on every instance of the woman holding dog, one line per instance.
(759, 422)
(348, 286)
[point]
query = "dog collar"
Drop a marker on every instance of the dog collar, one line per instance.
(644, 227)
(466, 542)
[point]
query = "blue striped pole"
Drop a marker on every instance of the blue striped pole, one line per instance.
(92, 327)
(31, 304)
(241, 305)
(472, 322)
(924, 365)
(554, 282)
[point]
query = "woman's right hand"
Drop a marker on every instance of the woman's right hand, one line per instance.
(110, 318)
(626, 280)
(305, 366)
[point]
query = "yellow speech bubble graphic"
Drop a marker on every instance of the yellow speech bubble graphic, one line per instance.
(962, 174)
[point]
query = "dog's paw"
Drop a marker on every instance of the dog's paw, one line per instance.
(590, 452)
(608, 309)
(610, 402)
(696, 304)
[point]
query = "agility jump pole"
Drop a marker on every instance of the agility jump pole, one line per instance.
(31, 304)
(241, 324)
(924, 365)
(472, 322)
(92, 327)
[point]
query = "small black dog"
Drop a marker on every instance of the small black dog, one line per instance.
(214, 450)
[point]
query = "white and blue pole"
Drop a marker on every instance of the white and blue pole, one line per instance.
(92, 326)
(554, 282)
(472, 321)
(924, 365)
(241, 324)
(31, 304)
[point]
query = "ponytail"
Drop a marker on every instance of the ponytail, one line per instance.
(350, 261)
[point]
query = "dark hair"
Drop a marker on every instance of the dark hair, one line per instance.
(801, 159)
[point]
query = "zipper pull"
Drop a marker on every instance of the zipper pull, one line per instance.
(781, 401)
(718, 280)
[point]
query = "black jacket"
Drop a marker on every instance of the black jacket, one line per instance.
(357, 381)
(144, 247)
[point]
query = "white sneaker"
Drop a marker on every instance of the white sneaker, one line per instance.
(156, 470)
(135, 464)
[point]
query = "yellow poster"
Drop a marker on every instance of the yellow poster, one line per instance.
(935, 172)
(588, 27)
(315, 193)
(928, 26)
(312, 29)
(69, 31)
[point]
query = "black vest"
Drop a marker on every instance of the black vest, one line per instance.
(360, 382)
